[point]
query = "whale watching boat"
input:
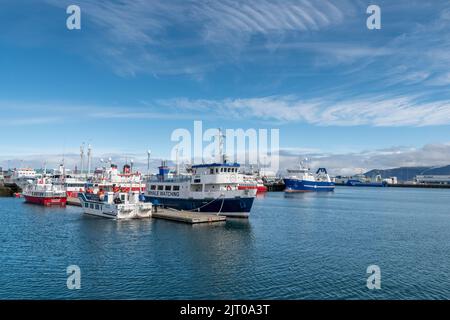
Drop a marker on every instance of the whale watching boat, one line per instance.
(45, 193)
(302, 180)
(208, 188)
(116, 205)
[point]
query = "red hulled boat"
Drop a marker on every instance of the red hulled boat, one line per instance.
(45, 194)
(252, 183)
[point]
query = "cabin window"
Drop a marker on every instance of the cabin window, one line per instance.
(92, 206)
(86, 205)
(196, 180)
(168, 188)
(229, 169)
(160, 187)
(97, 207)
(153, 187)
(221, 169)
(176, 188)
(217, 170)
(211, 171)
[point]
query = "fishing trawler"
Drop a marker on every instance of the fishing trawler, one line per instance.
(208, 188)
(45, 193)
(302, 180)
(250, 182)
(361, 180)
(119, 205)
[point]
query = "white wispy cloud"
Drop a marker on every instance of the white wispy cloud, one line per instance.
(370, 110)
(363, 161)
(31, 121)
(137, 36)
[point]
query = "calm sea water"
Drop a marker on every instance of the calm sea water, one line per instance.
(306, 246)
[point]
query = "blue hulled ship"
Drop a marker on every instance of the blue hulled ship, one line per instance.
(207, 188)
(302, 180)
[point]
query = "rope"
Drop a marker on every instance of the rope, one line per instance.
(221, 206)
(196, 209)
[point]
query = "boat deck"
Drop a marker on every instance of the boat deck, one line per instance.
(187, 217)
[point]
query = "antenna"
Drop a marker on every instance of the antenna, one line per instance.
(82, 157)
(89, 154)
(176, 161)
(149, 152)
(223, 157)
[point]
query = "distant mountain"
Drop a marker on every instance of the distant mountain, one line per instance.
(408, 173)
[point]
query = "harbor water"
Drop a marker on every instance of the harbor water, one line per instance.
(296, 246)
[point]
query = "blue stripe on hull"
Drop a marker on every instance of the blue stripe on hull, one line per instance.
(234, 205)
(293, 185)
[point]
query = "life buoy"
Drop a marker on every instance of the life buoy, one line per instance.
(228, 188)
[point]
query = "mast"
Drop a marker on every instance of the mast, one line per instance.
(82, 157)
(148, 162)
(176, 162)
(89, 153)
(223, 157)
(45, 169)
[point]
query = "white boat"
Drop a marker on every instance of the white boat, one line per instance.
(120, 205)
(111, 179)
(44, 193)
(212, 188)
(73, 185)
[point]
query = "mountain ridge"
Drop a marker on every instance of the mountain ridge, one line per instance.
(409, 173)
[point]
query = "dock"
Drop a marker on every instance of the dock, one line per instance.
(187, 216)
(275, 186)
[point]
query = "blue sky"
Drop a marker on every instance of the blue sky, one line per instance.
(137, 70)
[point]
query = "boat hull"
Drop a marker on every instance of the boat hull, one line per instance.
(259, 189)
(230, 207)
(293, 185)
(46, 201)
(357, 183)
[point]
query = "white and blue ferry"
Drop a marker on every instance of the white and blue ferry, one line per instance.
(302, 180)
(208, 188)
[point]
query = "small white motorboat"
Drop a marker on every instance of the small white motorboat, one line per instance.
(116, 205)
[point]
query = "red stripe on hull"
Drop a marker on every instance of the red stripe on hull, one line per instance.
(259, 189)
(47, 201)
(262, 189)
(247, 188)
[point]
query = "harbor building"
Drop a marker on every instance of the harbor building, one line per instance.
(433, 179)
